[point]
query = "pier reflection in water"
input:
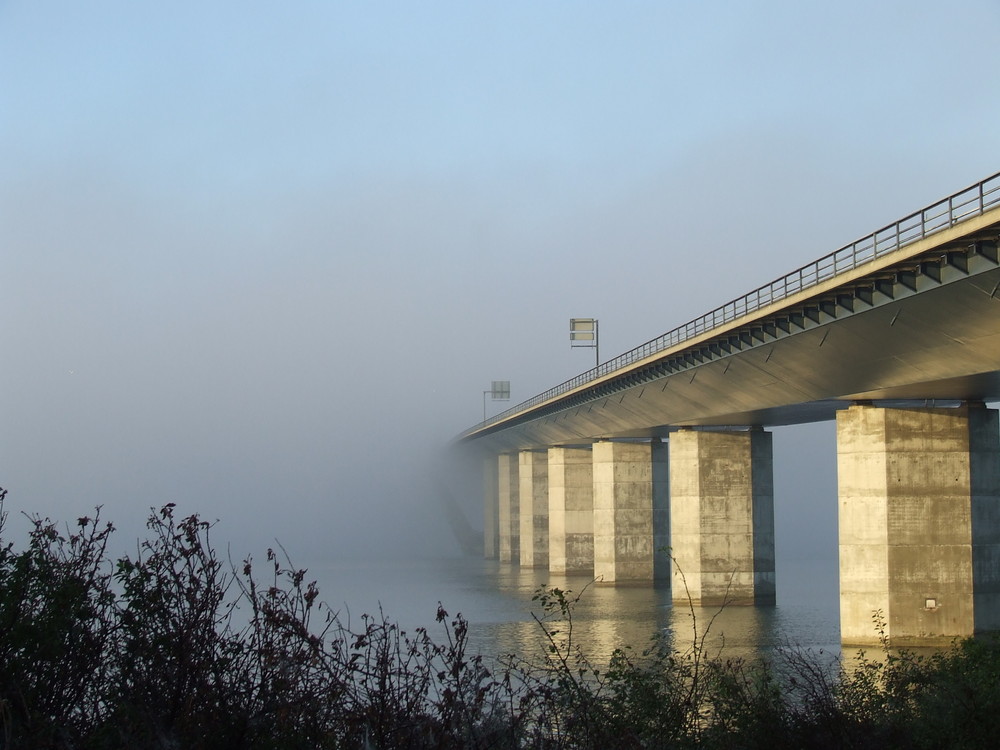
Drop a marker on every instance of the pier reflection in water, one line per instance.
(496, 599)
(608, 617)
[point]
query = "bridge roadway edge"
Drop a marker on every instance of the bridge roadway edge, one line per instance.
(512, 433)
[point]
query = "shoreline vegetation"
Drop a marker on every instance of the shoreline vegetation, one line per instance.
(173, 648)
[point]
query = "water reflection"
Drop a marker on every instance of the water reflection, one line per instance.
(607, 617)
(497, 601)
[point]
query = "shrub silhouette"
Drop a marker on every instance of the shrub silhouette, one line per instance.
(173, 648)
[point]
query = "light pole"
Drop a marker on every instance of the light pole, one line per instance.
(584, 331)
(500, 391)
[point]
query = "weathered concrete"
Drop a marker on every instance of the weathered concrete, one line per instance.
(533, 470)
(919, 523)
(722, 517)
(491, 509)
(508, 485)
(571, 510)
(631, 511)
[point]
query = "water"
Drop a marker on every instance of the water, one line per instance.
(496, 599)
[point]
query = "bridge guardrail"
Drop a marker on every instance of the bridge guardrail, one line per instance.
(965, 204)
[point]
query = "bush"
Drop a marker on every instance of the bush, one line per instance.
(57, 628)
(148, 651)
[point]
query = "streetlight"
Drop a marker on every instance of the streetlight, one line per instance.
(584, 330)
(500, 391)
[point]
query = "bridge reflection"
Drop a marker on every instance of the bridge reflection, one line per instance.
(608, 617)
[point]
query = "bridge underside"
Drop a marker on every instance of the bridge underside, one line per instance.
(926, 331)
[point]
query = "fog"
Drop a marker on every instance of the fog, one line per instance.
(262, 260)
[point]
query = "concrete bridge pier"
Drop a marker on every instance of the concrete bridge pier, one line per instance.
(491, 509)
(508, 489)
(571, 510)
(919, 494)
(533, 473)
(631, 511)
(722, 517)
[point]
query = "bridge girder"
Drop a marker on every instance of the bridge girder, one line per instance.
(924, 328)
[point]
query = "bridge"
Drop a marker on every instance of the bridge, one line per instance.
(895, 336)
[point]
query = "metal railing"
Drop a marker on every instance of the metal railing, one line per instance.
(965, 204)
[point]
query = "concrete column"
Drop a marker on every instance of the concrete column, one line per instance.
(722, 517)
(491, 509)
(508, 485)
(534, 500)
(631, 511)
(919, 523)
(571, 510)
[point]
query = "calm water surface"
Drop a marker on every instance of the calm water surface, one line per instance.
(497, 601)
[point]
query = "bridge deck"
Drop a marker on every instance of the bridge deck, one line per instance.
(908, 312)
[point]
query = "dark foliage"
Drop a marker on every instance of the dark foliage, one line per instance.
(171, 648)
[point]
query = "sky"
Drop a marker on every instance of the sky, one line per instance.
(262, 259)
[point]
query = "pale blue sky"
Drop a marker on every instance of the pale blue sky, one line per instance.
(262, 258)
